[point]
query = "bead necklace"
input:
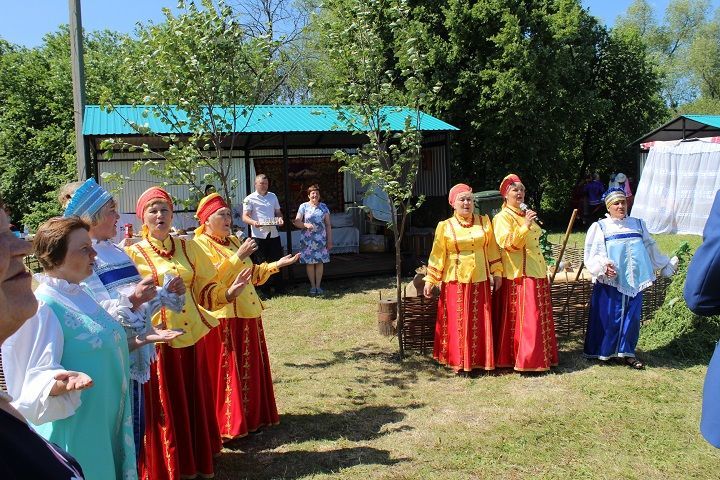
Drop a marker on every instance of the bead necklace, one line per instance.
(225, 242)
(163, 253)
(465, 224)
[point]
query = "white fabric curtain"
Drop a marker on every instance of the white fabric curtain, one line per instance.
(677, 186)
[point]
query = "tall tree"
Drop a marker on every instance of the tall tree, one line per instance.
(377, 65)
(203, 62)
(36, 121)
(671, 43)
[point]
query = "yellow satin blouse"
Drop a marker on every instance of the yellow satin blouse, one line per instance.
(465, 253)
(203, 292)
(520, 245)
(228, 265)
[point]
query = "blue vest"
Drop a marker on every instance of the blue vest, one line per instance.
(632, 261)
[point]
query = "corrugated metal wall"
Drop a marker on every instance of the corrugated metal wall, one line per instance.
(432, 175)
(130, 191)
(432, 178)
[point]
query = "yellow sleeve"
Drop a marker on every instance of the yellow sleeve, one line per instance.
(229, 268)
(261, 273)
(492, 253)
(508, 235)
(436, 262)
(208, 290)
(232, 265)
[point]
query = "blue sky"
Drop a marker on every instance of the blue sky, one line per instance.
(25, 22)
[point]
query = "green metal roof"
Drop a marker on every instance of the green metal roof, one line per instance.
(260, 119)
(683, 127)
(712, 120)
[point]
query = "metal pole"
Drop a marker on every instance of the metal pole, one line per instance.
(286, 209)
(78, 81)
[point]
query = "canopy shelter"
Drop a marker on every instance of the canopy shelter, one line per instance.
(678, 185)
(292, 144)
(682, 128)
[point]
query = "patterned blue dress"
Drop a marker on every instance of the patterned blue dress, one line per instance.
(313, 242)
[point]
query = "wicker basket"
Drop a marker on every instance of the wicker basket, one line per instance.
(418, 327)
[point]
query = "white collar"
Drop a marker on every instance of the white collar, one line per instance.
(58, 284)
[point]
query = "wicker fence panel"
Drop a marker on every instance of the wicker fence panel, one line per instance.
(418, 328)
(571, 304)
(571, 307)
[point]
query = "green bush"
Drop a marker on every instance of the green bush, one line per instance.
(675, 332)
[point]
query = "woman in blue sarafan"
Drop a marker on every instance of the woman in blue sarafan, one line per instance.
(622, 258)
(702, 294)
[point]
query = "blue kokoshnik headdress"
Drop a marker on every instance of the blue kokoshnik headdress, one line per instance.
(613, 195)
(87, 199)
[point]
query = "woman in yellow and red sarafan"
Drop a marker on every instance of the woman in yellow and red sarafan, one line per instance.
(463, 263)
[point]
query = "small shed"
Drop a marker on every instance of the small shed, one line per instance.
(292, 144)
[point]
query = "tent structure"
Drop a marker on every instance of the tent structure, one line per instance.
(679, 166)
(678, 185)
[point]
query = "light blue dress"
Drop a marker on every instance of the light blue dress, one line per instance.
(72, 332)
(313, 242)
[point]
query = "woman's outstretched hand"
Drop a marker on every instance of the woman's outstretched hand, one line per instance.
(247, 248)
(160, 335)
(241, 281)
(69, 381)
(288, 260)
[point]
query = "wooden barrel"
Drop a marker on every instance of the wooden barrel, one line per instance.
(387, 312)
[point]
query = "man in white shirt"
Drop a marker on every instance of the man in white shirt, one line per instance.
(261, 210)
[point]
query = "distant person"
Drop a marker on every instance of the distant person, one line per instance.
(313, 219)
(464, 262)
(261, 210)
(622, 258)
(702, 294)
(593, 198)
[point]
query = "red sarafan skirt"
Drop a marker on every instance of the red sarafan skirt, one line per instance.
(463, 330)
(240, 377)
(524, 327)
(181, 432)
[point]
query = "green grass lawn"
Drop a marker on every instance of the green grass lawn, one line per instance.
(350, 409)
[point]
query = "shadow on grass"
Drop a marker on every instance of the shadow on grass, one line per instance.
(255, 456)
(363, 424)
(298, 463)
(380, 367)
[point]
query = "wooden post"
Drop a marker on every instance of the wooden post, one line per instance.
(78, 82)
(564, 244)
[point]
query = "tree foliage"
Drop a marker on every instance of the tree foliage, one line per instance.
(215, 70)
(538, 88)
(37, 148)
(377, 62)
(684, 47)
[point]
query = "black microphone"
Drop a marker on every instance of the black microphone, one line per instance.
(524, 208)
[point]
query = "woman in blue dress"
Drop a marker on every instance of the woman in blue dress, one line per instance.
(313, 218)
(622, 258)
(67, 368)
